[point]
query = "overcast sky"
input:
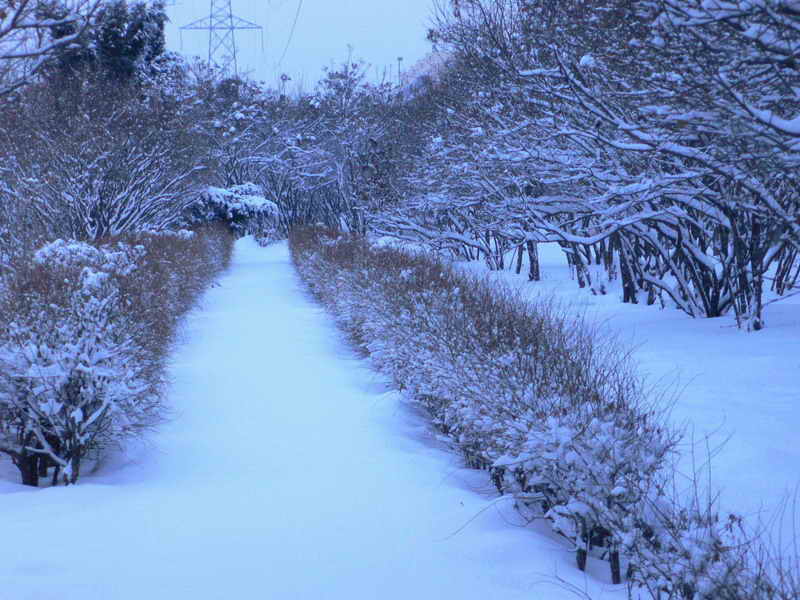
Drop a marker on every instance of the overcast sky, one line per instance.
(379, 31)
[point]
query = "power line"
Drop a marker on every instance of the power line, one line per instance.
(291, 34)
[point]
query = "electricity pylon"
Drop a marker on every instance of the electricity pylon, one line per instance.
(222, 26)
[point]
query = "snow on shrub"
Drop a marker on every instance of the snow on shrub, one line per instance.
(75, 387)
(74, 254)
(71, 379)
(243, 207)
(83, 339)
(554, 412)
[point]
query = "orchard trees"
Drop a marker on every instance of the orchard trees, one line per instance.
(655, 141)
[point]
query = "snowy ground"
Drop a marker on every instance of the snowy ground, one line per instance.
(738, 393)
(289, 471)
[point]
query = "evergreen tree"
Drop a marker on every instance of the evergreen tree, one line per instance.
(124, 37)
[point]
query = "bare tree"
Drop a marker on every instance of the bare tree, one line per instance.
(577, 126)
(102, 161)
(26, 40)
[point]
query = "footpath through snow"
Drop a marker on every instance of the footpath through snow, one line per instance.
(288, 471)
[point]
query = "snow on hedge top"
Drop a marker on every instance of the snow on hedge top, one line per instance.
(65, 253)
(247, 197)
(68, 254)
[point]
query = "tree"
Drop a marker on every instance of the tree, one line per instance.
(128, 36)
(25, 41)
(124, 39)
(576, 127)
(103, 159)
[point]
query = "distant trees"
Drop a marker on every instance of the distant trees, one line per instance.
(322, 157)
(67, 40)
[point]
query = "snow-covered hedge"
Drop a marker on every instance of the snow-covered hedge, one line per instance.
(551, 410)
(243, 207)
(84, 332)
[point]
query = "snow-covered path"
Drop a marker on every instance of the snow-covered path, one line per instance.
(287, 472)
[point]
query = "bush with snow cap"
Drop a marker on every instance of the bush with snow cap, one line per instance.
(74, 387)
(243, 207)
(74, 254)
(83, 343)
(72, 373)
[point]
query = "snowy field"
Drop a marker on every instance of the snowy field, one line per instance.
(738, 393)
(289, 471)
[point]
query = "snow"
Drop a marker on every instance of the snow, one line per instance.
(247, 195)
(288, 470)
(737, 392)
(787, 126)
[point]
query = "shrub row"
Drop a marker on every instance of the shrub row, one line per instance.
(84, 334)
(554, 413)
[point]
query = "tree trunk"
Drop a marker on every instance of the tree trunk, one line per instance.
(76, 470)
(534, 274)
(28, 466)
(616, 574)
(580, 558)
(44, 463)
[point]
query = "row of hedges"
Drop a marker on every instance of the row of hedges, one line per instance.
(554, 412)
(83, 340)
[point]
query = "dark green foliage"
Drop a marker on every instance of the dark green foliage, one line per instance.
(123, 38)
(127, 36)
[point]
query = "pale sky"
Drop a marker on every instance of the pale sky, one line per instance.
(379, 32)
